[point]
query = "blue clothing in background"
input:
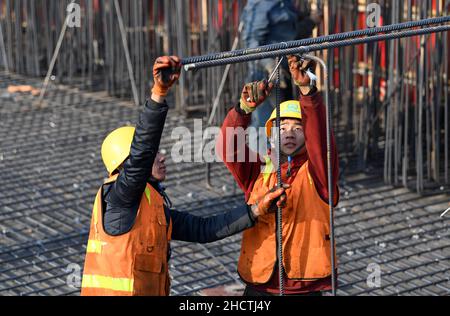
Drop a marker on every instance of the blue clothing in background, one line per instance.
(268, 22)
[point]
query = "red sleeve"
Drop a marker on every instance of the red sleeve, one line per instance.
(237, 158)
(314, 124)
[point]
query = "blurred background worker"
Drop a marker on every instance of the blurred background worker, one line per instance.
(306, 231)
(269, 22)
(132, 218)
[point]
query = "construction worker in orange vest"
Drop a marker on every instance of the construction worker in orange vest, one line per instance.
(133, 220)
(306, 231)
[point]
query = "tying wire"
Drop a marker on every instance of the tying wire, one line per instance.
(315, 47)
(316, 40)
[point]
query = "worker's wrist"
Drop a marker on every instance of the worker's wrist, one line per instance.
(238, 109)
(157, 98)
(160, 90)
(307, 90)
(246, 108)
(254, 210)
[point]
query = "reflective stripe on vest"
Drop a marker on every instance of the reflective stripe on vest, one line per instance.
(268, 169)
(109, 283)
(95, 246)
(147, 194)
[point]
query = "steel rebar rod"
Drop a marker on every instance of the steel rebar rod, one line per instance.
(127, 53)
(3, 50)
(316, 47)
(54, 57)
(224, 77)
(279, 214)
(316, 40)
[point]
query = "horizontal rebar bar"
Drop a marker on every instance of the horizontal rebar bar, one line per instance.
(317, 40)
(315, 47)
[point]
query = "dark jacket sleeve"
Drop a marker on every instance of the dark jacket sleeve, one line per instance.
(122, 198)
(188, 227)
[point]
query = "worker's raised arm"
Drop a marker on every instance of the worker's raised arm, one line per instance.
(314, 126)
(137, 168)
(243, 164)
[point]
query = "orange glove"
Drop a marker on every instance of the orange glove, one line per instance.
(298, 67)
(270, 202)
(253, 94)
(166, 71)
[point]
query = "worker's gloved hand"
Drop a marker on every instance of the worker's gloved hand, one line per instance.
(253, 94)
(270, 202)
(298, 67)
(166, 71)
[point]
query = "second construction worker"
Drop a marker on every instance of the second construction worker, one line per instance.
(133, 219)
(305, 220)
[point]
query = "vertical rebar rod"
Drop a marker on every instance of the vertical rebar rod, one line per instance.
(2, 43)
(224, 77)
(446, 114)
(54, 57)
(279, 218)
(9, 34)
(420, 87)
(127, 53)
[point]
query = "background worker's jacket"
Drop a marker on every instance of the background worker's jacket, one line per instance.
(121, 200)
(247, 173)
(268, 22)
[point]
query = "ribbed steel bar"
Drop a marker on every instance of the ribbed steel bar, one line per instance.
(55, 56)
(279, 214)
(316, 40)
(126, 52)
(3, 49)
(316, 47)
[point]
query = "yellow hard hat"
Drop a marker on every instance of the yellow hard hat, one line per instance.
(116, 147)
(288, 109)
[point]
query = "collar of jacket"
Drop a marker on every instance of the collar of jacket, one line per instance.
(296, 163)
(162, 191)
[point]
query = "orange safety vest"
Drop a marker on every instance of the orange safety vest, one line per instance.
(134, 263)
(306, 229)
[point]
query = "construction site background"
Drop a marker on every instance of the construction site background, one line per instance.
(375, 88)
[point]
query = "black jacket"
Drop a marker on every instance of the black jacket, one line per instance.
(121, 198)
